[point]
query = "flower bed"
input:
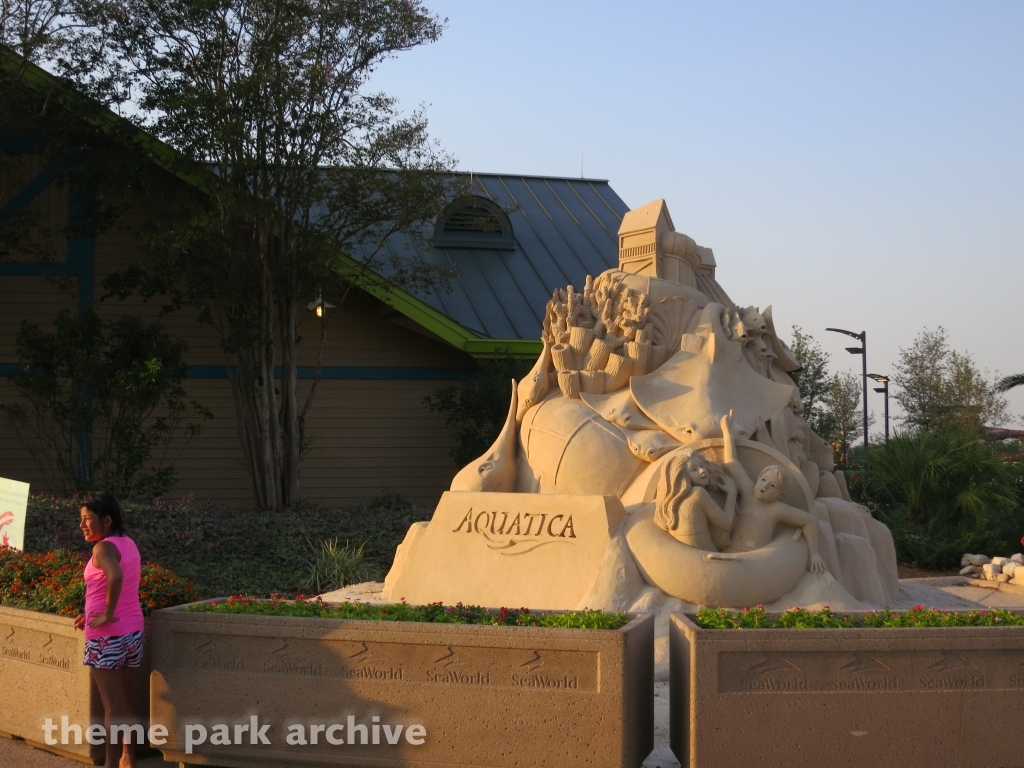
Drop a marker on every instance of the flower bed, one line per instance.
(487, 688)
(434, 613)
(53, 583)
(41, 652)
(799, 618)
(812, 688)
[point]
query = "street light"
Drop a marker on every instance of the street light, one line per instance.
(319, 306)
(884, 381)
(862, 350)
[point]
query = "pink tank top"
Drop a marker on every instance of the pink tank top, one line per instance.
(128, 613)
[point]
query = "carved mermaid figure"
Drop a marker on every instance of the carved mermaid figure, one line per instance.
(760, 509)
(685, 509)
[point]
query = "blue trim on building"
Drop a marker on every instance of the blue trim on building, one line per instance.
(329, 372)
(34, 188)
(347, 372)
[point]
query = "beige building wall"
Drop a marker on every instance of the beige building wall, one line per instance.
(369, 432)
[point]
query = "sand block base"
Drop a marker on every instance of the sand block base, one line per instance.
(487, 696)
(506, 550)
(936, 697)
(42, 676)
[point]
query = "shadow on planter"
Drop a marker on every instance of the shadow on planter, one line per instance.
(41, 670)
(942, 697)
(484, 695)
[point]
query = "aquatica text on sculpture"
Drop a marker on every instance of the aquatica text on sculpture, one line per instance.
(522, 532)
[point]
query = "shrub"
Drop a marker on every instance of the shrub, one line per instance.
(226, 550)
(941, 494)
(54, 583)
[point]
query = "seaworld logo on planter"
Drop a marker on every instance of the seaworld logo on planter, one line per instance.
(518, 534)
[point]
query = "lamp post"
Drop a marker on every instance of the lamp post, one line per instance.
(884, 381)
(862, 350)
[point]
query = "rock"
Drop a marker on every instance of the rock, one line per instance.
(1018, 578)
(978, 559)
(968, 570)
(1000, 561)
(1018, 558)
(965, 560)
(1010, 567)
(991, 571)
(1002, 578)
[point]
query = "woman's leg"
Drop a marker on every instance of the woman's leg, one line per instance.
(128, 751)
(113, 685)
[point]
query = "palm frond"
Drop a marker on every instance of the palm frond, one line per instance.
(1009, 382)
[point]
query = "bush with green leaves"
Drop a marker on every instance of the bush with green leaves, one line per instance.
(941, 494)
(476, 409)
(99, 402)
(227, 550)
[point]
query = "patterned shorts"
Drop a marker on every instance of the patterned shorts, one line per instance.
(114, 651)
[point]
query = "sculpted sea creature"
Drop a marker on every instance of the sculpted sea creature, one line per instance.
(533, 388)
(690, 393)
(496, 469)
(619, 409)
(651, 444)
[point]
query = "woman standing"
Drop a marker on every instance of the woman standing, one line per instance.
(113, 621)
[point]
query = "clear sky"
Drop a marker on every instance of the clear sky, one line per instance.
(858, 165)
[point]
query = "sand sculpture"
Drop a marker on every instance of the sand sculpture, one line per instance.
(659, 396)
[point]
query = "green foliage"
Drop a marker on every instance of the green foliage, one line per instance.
(119, 382)
(332, 567)
(813, 381)
(476, 409)
(941, 494)
(300, 167)
(1007, 383)
(941, 389)
(801, 618)
(435, 613)
(224, 551)
(54, 583)
(843, 400)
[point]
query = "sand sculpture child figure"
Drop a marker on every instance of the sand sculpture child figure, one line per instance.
(760, 510)
(685, 509)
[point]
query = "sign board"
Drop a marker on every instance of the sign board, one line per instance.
(13, 505)
(506, 549)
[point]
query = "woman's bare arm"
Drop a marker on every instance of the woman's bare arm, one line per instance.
(106, 558)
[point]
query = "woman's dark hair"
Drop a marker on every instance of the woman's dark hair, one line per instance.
(105, 505)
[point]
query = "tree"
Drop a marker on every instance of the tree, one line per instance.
(942, 494)
(941, 389)
(476, 409)
(1009, 382)
(813, 380)
(265, 101)
(120, 383)
(842, 402)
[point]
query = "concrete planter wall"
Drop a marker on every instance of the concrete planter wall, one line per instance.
(42, 676)
(932, 697)
(486, 695)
